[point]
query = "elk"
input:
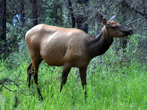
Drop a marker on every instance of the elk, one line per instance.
(68, 47)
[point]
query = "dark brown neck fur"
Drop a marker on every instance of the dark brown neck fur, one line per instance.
(98, 46)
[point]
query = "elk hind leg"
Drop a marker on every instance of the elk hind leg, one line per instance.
(35, 74)
(29, 74)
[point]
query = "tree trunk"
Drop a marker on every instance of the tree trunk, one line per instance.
(123, 41)
(34, 12)
(71, 13)
(81, 18)
(22, 13)
(3, 27)
(81, 22)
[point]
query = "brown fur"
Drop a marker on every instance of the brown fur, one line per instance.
(67, 47)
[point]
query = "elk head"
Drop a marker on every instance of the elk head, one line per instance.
(112, 29)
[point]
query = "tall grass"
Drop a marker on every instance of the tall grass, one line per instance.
(112, 84)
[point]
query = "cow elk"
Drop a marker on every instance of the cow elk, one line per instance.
(68, 47)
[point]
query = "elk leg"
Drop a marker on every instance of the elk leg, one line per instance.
(29, 74)
(38, 89)
(64, 75)
(83, 80)
(36, 66)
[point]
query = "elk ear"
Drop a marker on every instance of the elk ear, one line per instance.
(104, 21)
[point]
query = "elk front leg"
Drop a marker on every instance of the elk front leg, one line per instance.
(83, 79)
(65, 73)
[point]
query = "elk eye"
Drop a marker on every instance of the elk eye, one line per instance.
(108, 25)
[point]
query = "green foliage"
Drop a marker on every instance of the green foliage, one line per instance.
(14, 40)
(53, 12)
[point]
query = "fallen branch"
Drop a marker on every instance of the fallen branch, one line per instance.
(7, 80)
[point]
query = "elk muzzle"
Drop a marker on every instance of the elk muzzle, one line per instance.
(126, 30)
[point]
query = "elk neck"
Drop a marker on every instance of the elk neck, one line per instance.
(99, 45)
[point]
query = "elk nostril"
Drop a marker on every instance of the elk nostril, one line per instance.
(130, 32)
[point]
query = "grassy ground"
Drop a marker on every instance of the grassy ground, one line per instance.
(109, 88)
(112, 84)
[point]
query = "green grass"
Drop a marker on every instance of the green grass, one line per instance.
(109, 88)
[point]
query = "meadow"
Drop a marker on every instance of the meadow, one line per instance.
(112, 84)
